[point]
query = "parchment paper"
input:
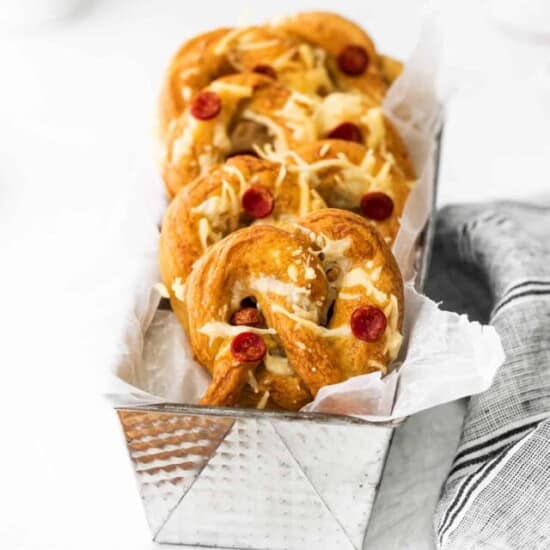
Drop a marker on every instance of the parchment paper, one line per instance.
(443, 357)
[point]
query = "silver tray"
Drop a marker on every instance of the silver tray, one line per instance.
(238, 478)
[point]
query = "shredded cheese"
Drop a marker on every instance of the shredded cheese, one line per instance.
(394, 338)
(278, 365)
(226, 40)
(325, 148)
(259, 45)
(204, 231)
(263, 401)
(359, 277)
(162, 290)
(178, 288)
(292, 272)
(280, 177)
(374, 120)
(297, 295)
(305, 195)
(233, 89)
(273, 128)
(252, 382)
(314, 327)
(219, 329)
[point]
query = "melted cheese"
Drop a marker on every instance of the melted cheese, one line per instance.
(292, 272)
(349, 296)
(206, 160)
(204, 232)
(186, 93)
(334, 250)
(259, 45)
(162, 290)
(283, 59)
(314, 327)
(305, 52)
(232, 89)
(182, 146)
(278, 365)
(263, 401)
(374, 120)
(280, 177)
(336, 108)
(219, 329)
(305, 195)
(252, 382)
(394, 338)
(178, 288)
(220, 139)
(226, 40)
(325, 148)
(274, 129)
(297, 114)
(377, 365)
(190, 71)
(296, 295)
(359, 277)
(216, 209)
(231, 169)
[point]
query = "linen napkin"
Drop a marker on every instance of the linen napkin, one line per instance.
(496, 258)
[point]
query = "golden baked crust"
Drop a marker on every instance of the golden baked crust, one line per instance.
(183, 77)
(333, 33)
(348, 171)
(211, 207)
(257, 112)
(340, 263)
(273, 139)
(193, 146)
(300, 51)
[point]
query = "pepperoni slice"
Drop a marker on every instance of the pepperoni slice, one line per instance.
(206, 105)
(248, 347)
(257, 201)
(249, 316)
(347, 131)
(266, 70)
(376, 206)
(368, 323)
(353, 60)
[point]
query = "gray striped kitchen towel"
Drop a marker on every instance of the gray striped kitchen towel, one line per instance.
(497, 494)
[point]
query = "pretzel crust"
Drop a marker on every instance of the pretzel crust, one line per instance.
(254, 262)
(302, 50)
(214, 201)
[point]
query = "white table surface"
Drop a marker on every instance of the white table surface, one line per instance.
(76, 105)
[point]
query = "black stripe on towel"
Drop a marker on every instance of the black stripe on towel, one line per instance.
(458, 465)
(520, 295)
(489, 467)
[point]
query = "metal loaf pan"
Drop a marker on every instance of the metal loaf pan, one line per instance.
(238, 478)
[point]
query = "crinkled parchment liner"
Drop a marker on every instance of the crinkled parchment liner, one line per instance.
(444, 356)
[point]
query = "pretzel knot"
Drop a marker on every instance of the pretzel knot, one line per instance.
(311, 53)
(243, 191)
(275, 314)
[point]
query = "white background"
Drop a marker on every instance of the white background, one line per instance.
(79, 195)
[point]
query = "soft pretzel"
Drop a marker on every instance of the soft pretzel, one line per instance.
(248, 111)
(350, 117)
(312, 53)
(350, 176)
(227, 117)
(329, 305)
(242, 191)
(352, 59)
